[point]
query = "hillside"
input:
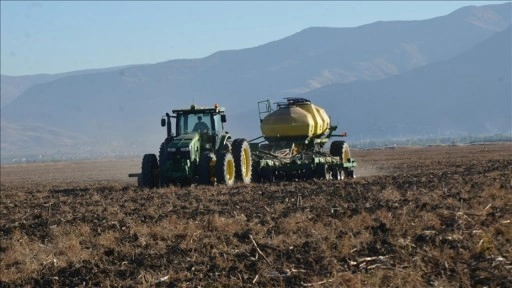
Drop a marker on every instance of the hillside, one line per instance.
(470, 93)
(13, 86)
(125, 104)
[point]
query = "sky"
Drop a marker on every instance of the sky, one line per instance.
(61, 36)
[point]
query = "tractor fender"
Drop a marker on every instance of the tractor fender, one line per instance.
(225, 143)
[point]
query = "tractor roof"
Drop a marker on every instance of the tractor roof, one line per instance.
(197, 110)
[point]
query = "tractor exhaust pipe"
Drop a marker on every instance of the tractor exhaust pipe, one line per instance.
(167, 122)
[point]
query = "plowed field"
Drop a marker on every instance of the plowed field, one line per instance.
(413, 217)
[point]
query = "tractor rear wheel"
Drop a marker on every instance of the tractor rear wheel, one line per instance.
(206, 163)
(225, 168)
(149, 175)
(242, 156)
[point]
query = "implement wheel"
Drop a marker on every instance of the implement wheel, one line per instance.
(242, 157)
(322, 171)
(267, 175)
(338, 174)
(225, 168)
(149, 175)
(307, 172)
(340, 149)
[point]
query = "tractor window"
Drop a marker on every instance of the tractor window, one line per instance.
(217, 123)
(189, 123)
(200, 122)
(181, 124)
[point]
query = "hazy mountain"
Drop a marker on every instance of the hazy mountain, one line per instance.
(125, 104)
(470, 93)
(13, 86)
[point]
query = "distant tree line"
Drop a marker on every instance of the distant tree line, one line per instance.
(427, 141)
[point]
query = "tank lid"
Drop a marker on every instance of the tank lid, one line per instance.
(291, 101)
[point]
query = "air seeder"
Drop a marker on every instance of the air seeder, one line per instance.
(291, 147)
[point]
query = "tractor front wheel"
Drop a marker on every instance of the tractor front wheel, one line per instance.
(206, 163)
(225, 168)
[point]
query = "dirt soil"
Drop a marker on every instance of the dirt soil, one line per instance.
(414, 217)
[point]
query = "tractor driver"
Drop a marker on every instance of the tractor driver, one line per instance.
(200, 125)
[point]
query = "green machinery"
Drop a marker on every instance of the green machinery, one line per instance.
(291, 147)
(199, 151)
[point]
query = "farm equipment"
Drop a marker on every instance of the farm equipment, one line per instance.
(291, 148)
(292, 142)
(199, 152)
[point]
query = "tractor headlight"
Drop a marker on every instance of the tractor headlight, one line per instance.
(186, 149)
(171, 149)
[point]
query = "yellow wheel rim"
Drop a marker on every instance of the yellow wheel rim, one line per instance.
(230, 169)
(246, 163)
(346, 153)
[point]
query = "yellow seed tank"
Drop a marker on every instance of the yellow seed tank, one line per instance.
(295, 118)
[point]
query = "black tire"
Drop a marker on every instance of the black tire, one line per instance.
(307, 173)
(322, 171)
(343, 174)
(338, 174)
(163, 158)
(205, 168)
(149, 175)
(336, 148)
(255, 175)
(225, 168)
(341, 150)
(267, 175)
(242, 156)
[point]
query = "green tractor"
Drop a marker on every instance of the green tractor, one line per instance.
(200, 151)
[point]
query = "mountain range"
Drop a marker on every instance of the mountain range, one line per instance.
(468, 94)
(445, 75)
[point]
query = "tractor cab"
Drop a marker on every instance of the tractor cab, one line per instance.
(207, 122)
(200, 119)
